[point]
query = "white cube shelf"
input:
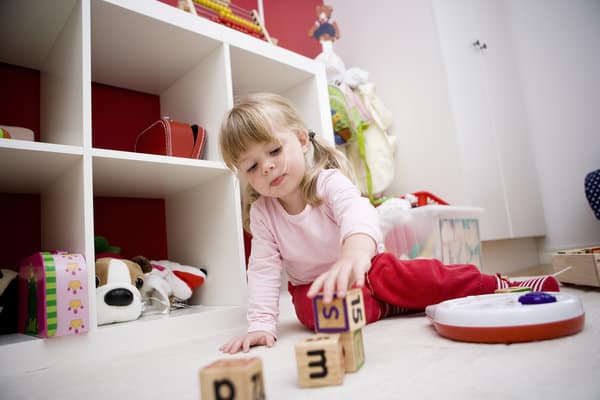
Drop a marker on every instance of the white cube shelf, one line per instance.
(196, 67)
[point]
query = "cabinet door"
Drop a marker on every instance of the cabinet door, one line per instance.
(471, 111)
(508, 119)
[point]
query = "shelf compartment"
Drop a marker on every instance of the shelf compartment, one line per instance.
(202, 214)
(34, 166)
(45, 187)
(137, 52)
(50, 41)
(252, 72)
(186, 70)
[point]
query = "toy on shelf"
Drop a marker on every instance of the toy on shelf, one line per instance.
(53, 294)
(118, 284)
(16, 132)
(324, 28)
(8, 301)
(326, 31)
(169, 284)
(509, 317)
(228, 14)
(102, 248)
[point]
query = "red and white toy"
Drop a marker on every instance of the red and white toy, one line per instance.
(508, 318)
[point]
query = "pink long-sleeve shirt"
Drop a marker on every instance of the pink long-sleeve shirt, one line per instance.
(303, 245)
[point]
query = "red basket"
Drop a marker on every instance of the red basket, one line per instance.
(426, 198)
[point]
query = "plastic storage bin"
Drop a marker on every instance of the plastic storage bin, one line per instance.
(448, 233)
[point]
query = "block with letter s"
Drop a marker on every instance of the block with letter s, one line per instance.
(342, 314)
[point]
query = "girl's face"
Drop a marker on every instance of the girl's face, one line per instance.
(276, 169)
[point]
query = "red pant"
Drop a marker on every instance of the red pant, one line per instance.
(411, 284)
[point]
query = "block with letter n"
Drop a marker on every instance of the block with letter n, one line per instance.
(342, 314)
(233, 379)
(320, 360)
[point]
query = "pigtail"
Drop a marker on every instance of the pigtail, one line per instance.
(250, 196)
(324, 156)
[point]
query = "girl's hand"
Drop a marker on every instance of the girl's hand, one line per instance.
(348, 271)
(258, 338)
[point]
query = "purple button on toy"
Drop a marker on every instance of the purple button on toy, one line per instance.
(536, 298)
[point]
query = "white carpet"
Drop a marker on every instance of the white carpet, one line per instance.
(405, 359)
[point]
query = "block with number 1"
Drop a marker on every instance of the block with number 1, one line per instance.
(340, 315)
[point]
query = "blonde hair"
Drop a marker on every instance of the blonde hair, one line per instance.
(252, 120)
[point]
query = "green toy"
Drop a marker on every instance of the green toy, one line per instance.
(101, 245)
(349, 125)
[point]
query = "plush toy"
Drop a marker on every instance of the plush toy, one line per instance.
(118, 284)
(8, 301)
(324, 28)
(169, 282)
(103, 248)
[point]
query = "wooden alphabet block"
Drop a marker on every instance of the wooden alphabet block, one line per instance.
(320, 361)
(354, 351)
(233, 379)
(341, 315)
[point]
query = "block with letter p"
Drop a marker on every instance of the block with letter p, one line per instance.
(341, 315)
(233, 379)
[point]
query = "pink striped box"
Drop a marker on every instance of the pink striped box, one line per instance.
(53, 295)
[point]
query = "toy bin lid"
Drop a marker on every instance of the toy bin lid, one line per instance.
(442, 211)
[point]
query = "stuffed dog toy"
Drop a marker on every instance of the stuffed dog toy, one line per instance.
(8, 301)
(170, 282)
(118, 284)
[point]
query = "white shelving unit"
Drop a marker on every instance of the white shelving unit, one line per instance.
(197, 68)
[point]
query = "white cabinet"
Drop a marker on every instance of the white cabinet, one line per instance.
(490, 119)
(196, 67)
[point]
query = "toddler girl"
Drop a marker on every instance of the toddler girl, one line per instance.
(308, 219)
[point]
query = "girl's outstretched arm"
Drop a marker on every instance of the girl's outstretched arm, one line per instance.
(243, 343)
(349, 269)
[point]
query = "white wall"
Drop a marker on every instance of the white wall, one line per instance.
(558, 54)
(397, 43)
(557, 43)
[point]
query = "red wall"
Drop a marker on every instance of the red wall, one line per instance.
(20, 235)
(289, 21)
(137, 226)
(118, 115)
(20, 97)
